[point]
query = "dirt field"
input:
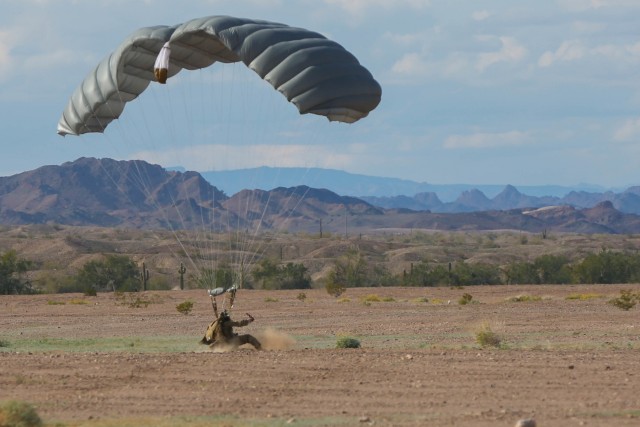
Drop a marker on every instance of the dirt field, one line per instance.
(101, 361)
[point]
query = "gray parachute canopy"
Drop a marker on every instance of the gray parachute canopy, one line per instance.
(316, 74)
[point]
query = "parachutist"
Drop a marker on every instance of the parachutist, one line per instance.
(220, 333)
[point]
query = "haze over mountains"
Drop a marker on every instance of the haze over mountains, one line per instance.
(393, 193)
(349, 184)
(136, 194)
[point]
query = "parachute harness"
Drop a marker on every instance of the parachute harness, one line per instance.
(213, 293)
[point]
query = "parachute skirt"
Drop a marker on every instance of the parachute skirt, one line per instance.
(317, 75)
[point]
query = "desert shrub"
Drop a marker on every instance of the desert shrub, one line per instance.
(135, 300)
(583, 297)
(423, 274)
(13, 271)
(371, 298)
(289, 276)
(487, 338)
(301, 296)
(334, 289)
(221, 277)
(4, 343)
(608, 267)
(159, 283)
(465, 299)
(350, 270)
(271, 299)
(347, 342)
(19, 414)
(185, 307)
(525, 298)
(626, 301)
(115, 272)
(547, 269)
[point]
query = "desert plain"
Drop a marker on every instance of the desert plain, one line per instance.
(566, 357)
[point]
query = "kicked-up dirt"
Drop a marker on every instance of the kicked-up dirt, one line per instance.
(565, 357)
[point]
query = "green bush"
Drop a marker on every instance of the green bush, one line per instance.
(487, 338)
(185, 307)
(115, 272)
(465, 299)
(347, 342)
(18, 414)
(13, 271)
(270, 275)
(626, 301)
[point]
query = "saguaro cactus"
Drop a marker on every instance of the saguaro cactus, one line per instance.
(144, 276)
(182, 270)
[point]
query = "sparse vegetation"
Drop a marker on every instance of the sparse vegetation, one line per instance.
(347, 342)
(371, 298)
(18, 414)
(185, 307)
(465, 299)
(13, 279)
(270, 275)
(135, 300)
(627, 300)
(271, 299)
(584, 297)
(113, 273)
(334, 289)
(525, 298)
(416, 259)
(301, 296)
(486, 337)
(4, 343)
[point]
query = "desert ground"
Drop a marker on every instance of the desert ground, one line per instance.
(566, 358)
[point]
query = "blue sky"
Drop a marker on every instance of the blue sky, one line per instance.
(477, 92)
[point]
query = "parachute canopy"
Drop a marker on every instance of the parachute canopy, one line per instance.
(316, 74)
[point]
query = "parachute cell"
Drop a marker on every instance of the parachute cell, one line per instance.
(316, 74)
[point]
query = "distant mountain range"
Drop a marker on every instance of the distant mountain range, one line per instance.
(474, 200)
(349, 184)
(393, 193)
(136, 194)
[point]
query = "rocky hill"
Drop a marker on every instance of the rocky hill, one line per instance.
(136, 194)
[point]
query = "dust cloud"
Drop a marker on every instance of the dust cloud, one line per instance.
(272, 339)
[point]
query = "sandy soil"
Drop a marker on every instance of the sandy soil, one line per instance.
(92, 360)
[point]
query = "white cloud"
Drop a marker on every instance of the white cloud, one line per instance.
(411, 64)
(480, 15)
(581, 5)
(510, 51)
(630, 130)
(223, 157)
(487, 140)
(457, 64)
(360, 7)
(573, 50)
(6, 61)
(568, 51)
